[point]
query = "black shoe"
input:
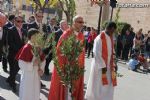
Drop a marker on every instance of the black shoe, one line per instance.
(46, 73)
(14, 89)
(8, 80)
(11, 83)
(42, 85)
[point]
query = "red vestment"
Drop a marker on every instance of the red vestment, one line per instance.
(57, 90)
(26, 54)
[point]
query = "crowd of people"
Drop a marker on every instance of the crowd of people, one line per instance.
(131, 45)
(16, 45)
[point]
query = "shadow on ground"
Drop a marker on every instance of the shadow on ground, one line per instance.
(1, 98)
(46, 77)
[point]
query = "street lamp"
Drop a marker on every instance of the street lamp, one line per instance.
(100, 3)
(113, 5)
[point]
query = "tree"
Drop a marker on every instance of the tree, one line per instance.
(69, 8)
(42, 4)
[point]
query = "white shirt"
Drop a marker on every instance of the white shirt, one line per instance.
(1, 32)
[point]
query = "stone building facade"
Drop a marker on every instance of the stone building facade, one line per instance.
(137, 16)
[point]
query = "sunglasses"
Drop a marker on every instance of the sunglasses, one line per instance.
(81, 22)
(19, 21)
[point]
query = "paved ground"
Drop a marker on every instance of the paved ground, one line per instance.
(131, 86)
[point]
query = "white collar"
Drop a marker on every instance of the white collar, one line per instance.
(76, 33)
(29, 42)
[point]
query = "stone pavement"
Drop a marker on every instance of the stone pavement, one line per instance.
(131, 86)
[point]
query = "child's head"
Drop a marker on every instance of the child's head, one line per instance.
(142, 55)
(32, 32)
(134, 56)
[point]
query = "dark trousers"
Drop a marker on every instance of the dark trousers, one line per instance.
(90, 47)
(0, 56)
(86, 45)
(125, 52)
(48, 60)
(14, 68)
(1, 50)
(119, 49)
(4, 62)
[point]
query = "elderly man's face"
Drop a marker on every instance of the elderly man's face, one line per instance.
(64, 25)
(79, 23)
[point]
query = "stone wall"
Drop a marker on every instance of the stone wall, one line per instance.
(137, 17)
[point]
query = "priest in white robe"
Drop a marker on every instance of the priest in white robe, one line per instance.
(102, 77)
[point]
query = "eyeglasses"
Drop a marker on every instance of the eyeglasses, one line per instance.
(19, 21)
(80, 22)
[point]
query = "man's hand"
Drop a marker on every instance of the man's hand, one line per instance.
(36, 62)
(40, 72)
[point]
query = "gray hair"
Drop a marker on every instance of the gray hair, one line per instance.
(61, 22)
(76, 17)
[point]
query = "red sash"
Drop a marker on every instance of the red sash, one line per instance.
(105, 58)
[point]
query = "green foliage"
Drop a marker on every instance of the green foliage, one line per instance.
(69, 8)
(70, 71)
(42, 4)
(120, 26)
(38, 43)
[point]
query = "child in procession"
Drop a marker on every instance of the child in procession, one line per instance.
(32, 68)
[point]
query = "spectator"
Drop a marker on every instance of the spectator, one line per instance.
(147, 44)
(133, 63)
(6, 27)
(3, 20)
(91, 38)
(119, 45)
(63, 27)
(143, 61)
(86, 34)
(138, 42)
(15, 41)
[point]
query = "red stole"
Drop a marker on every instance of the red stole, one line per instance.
(57, 89)
(105, 58)
(25, 53)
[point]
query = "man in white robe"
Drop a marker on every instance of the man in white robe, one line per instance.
(96, 88)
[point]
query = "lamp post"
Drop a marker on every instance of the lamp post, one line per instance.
(99, 20)
(113, 5)
(100, 3)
